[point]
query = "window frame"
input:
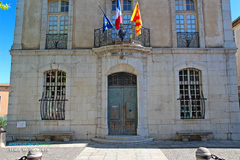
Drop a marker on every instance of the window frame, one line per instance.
(50, 104)
(124, 12)
(127, 13)
(191, 101)
(58, 14)
(185, 6)
(185, 14)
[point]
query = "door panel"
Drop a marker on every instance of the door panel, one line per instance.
(114, 110)
(122, 110)
(130, 110)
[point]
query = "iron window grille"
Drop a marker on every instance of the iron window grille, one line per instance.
(192, 101)
(122, 79)
(53, 100)
(187, 40)
(56, 41)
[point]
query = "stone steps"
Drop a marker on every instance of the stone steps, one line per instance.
(122, 139)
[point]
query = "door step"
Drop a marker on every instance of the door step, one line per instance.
(122, 139)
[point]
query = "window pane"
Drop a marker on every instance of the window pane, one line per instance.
(113, 5)
(126, 22)
(64, 25)
(179, 5)
(64, 6)
(53, 21)
(127, 5)
(191, 23)
(190, 5)
(54, 6)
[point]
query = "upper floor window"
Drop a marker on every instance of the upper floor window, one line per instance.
(59, 6)
(127, 14)
(57, 24)
(186, 23)
(192, 104)
(54, 95)
(181, 5)
(127, 5)
(58, 17)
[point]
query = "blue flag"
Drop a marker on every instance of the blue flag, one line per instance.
(107, 24)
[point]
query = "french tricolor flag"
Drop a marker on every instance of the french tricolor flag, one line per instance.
(118, 20)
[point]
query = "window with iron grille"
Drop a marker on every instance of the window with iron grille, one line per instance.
(54, 95)
(57, 24)
(192, 104)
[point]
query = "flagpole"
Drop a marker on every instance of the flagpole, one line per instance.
(108, 19)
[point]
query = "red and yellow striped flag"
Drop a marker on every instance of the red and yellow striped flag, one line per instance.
(136, 17)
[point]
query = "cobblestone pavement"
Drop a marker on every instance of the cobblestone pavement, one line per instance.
(156, 150)
(55, 151)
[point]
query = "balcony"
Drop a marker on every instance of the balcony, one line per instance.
(110, 37)
(56, 41)
(187, 39)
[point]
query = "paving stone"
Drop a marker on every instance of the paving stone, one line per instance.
(156, 150)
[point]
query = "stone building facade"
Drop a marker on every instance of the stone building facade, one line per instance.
(179, 75)
(4, 92)
(236, 33)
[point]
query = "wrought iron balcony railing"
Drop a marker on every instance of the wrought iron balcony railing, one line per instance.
(56, 41)
(187, 39)
(110, 37)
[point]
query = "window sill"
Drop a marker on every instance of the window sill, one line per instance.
(187, 121)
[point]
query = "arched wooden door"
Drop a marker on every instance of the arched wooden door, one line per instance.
(122, 104)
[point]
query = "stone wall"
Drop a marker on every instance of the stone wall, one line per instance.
(157, 72)
(219, 87)
(237, 40)
(31, 24)
(27, 76)
(158, 15)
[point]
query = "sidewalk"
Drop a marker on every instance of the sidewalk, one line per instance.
(156, 150)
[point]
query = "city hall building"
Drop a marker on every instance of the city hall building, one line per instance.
(70, 78)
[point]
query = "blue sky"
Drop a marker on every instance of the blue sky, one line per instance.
(7, 23)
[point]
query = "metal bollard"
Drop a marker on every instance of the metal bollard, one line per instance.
(2, 138)
(34, 155)
(203, 153)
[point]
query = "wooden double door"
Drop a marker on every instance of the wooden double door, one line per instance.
(122, 108)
